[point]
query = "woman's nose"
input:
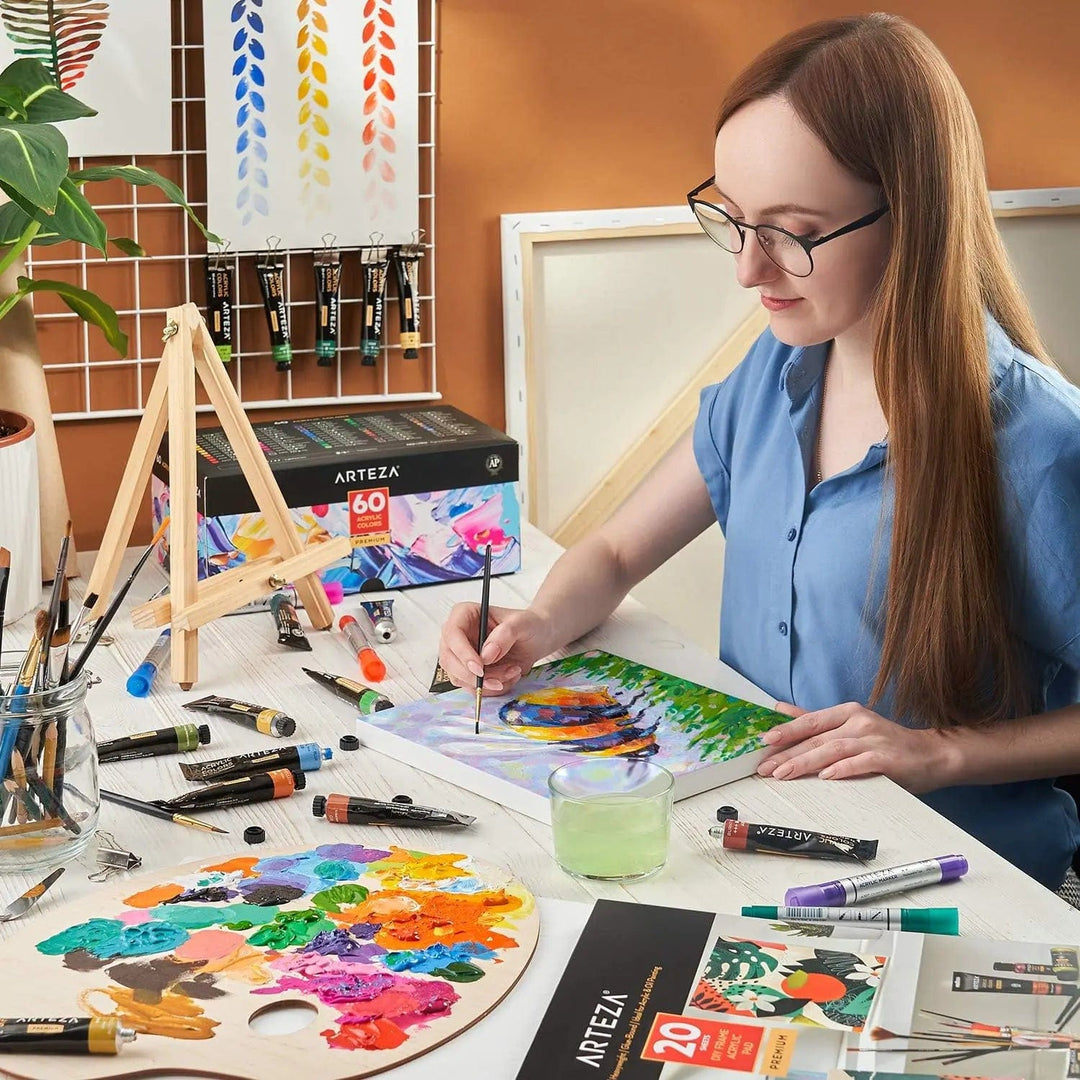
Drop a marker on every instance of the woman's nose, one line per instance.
(752, 266)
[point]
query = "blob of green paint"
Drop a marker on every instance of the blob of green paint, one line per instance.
(331, 899)
(200, 916)
(291, 928)
(335, 870)
(106, 938)
(459, 971)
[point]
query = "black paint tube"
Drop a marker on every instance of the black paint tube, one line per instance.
(407, 265)
(219, 291)
(327, 305)
(144, 744)
(255, 787)
(289, 630)
(268, 721)
(271, 285)
(376, 262)
(63, 1035)
(782, 840)
(305, 757)
(355, 810)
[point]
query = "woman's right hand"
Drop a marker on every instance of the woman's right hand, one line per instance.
(516, 639)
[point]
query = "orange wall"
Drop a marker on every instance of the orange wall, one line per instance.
(580, 104)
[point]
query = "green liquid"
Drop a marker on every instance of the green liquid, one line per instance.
(611, 836)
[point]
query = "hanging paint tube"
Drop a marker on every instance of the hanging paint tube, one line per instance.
(289, 630)
(376, 261)
(271, 271)
(142, 678)
(327, 302)
(407, 264)
(219, 294)
(380, 619)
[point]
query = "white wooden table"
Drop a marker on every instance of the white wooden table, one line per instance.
(239, 656)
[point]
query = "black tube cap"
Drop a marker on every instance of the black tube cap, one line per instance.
(299, 779)
(254, 834)
(727, 813)
(318, 806)
(349, 742)
(204, 734)
(402, 799)
(385, 703)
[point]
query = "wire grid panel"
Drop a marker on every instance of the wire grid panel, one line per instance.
(88, 381)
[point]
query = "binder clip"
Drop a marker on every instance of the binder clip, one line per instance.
(112, 858)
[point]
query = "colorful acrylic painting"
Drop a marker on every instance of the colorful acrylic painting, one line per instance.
(823, 987)
(113, 55)
(591, 703)
(312, 120)
(398, 950)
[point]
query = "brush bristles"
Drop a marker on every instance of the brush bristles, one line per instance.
(41, 624)
(65, 595)
(61, 638)
(5, 558)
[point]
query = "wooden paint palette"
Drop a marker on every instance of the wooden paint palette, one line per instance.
(397, 950)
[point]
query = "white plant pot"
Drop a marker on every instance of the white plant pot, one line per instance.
(20, 517)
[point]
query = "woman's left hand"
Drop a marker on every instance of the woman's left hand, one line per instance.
(850, 740)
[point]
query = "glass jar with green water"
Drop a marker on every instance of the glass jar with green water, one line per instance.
(611, 817)
(49, 798)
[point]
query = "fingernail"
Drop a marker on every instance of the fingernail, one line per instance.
(489, 653)
(766, 768)
(770, 736)
(781, 771)
(827, 774)
(475, 668)
(492, 684)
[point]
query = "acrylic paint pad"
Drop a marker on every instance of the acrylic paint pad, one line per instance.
(396, 951)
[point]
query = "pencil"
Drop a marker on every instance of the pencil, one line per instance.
(5, 573)
(153, 810)
(485, 598)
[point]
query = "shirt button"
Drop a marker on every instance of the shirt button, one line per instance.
(783, 628)
(791, 534)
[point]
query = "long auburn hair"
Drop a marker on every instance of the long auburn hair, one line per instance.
(884, 101)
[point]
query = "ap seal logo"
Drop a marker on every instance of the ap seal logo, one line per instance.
(494, 464)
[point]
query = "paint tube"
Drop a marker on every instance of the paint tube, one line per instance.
(64, 1035)
(142, 678)
(969, 982)
(1063, 965)
(327, 304)
(258, 717)
(376, 261)
(289, 630)
(302, 758)
(362, 698)
(354, 810)
(271, 285)
(144, 744)
(371, 665)
(380, 619)
(219, 292)
(241, 790)
(407, 265)
(781, 840)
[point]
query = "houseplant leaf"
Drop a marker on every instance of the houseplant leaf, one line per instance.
(137, 175)
(33, 161)
(85, 304)
(11, 101)
(27, 85)
(128, 246)
(76, 219)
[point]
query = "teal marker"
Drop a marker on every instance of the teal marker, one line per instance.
(940, 920)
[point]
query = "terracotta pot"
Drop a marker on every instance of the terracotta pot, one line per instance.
(20, 517)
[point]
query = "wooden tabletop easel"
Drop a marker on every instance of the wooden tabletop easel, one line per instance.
(189, 350)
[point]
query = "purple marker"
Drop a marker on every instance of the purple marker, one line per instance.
(885, 882)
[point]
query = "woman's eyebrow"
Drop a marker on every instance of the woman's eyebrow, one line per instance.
(782, 208)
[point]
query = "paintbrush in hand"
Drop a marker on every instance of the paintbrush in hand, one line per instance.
(5, 573)
(102, 623)
(485, 598)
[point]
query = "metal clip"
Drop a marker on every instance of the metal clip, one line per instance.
(112, 858)
(171, 330)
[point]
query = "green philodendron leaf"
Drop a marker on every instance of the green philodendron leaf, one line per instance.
(136, 174)
(33, 161)
(11, 101)
(40, 99)
(85, 304)
(76, 219)
(128, 246)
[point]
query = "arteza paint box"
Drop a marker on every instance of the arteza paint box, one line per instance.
(421, 492)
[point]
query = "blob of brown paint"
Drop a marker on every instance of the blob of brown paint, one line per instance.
(158, 894)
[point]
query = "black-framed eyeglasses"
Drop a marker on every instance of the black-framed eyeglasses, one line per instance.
(792, 253)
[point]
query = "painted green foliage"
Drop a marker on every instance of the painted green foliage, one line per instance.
(720, 726)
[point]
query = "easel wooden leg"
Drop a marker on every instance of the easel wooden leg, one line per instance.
(132, 485)
(259, 475)
(183, 488)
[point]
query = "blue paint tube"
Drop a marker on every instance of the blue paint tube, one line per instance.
(380, 620)
(142, 678)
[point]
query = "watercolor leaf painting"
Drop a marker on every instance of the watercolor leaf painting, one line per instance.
(401, 949)
(63, 35)
(594, 703)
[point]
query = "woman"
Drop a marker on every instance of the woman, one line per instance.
(895, 464)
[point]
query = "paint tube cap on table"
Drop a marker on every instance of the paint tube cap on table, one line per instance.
(727, 813)
(312, 755)
(349, 742)
(254, 834)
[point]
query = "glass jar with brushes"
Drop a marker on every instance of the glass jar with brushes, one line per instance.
(49, 798)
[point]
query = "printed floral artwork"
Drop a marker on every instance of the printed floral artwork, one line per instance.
(823, 987)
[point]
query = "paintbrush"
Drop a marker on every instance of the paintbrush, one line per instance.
(153, 810)
(481, 636)
(117, 600)
(5, 573)
(54, 610)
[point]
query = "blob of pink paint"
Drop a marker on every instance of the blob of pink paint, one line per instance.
(133, 917)
(209, 945)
